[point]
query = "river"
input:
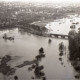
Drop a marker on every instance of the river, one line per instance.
(26, 46)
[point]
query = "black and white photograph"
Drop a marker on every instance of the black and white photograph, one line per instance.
(39, 39)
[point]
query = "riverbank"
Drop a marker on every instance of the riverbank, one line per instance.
(34, 29)
(49, 26)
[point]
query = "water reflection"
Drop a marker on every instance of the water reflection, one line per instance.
(24, 31)
(37, 68)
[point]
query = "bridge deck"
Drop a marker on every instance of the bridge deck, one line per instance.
(59, 36)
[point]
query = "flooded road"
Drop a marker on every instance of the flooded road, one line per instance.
(26, 47)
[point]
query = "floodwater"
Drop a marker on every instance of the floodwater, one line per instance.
(62, 26)
(25, 47)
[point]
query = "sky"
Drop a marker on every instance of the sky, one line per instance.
(43, 1)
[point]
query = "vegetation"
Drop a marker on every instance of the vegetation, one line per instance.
(23, 14)
(5, 69)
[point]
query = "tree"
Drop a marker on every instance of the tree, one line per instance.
(5, 69)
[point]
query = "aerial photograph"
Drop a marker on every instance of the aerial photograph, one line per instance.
(39, 39)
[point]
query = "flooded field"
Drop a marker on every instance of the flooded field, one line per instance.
(25, 48)
(62, 26)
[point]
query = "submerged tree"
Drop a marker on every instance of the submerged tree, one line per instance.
(6, 69)
(37, 68)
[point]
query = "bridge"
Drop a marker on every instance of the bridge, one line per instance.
(62, 36)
